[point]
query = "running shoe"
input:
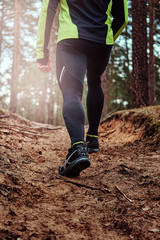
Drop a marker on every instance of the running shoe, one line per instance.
(76, 161)
(92, 144)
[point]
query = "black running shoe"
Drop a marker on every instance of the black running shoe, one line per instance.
(92, 144)
(77, 160)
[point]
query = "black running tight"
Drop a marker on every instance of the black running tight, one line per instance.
(75, 58)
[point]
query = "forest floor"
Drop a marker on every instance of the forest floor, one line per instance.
(117, 198)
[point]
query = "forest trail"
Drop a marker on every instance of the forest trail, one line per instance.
(118, 197)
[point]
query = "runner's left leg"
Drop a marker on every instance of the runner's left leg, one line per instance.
(96, 64)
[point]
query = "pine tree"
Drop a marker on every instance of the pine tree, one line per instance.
(151, 69)
(139, 54)
(16, 57)
(1, 28)
(52, 81)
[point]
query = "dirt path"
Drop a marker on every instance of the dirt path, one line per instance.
(118, 197)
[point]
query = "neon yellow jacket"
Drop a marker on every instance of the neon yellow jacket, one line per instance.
(100, 21)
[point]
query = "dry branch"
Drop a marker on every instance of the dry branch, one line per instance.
(4, 116)
(86, 186)
(26, 130)
(120, 191)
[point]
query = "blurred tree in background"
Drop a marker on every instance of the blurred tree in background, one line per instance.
(140, 93)
(36, 96)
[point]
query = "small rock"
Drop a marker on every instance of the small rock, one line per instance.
(158, 204)
(146, 208)
(154, 230)
(25, 162)
(107, 224)
(7, 161)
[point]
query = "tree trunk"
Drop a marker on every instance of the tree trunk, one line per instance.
(16, 57)
(1, 29)
(151, 68)
(42, 103)
(127, 69)
(51, 103)
(139, 54)
(52, 78)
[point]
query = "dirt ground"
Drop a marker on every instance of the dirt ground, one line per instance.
(117, 198)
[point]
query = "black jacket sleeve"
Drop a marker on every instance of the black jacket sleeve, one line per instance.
(120, 17)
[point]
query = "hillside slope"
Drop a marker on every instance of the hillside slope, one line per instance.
(118, 197)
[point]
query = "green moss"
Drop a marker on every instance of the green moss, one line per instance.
(152, 126)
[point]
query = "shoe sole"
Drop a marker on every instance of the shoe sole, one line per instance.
(92, 150)
(76, 167)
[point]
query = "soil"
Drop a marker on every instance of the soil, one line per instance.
(117, 198)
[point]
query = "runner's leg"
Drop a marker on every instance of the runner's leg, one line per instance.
(71, 68)
(96, 64)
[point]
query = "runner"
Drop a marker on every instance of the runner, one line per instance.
(87, 32)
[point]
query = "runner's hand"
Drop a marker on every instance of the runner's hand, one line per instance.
(45, 68)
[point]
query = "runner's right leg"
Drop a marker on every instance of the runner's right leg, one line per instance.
(71, 69)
